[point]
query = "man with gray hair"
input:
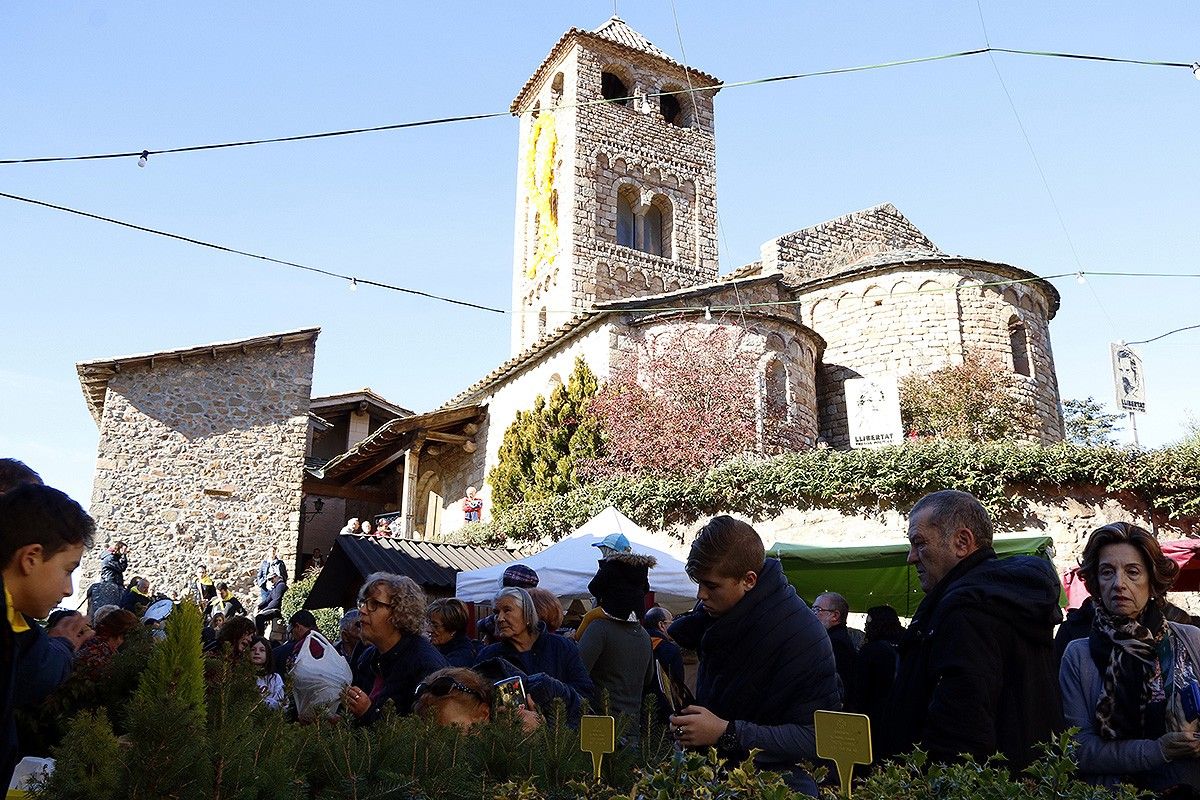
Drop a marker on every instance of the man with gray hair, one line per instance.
(831, 609)
(977, 670)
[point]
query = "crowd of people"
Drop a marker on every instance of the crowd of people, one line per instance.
(975, 672)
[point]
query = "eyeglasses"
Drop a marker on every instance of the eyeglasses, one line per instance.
(819, 610)
(371, 605)
(444, 685)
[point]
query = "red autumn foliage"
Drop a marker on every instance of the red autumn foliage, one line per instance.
(689, 404)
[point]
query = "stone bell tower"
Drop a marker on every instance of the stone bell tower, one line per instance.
(616, 188)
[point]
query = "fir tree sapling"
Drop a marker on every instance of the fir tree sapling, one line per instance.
(170, 746)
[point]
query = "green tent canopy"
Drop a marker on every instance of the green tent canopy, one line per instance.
(875, 575)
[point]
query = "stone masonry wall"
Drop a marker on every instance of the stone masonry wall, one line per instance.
(904, 320)
(601, 148)
(201, 462)
(822, 249)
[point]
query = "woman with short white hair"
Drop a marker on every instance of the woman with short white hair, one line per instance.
(524, 641)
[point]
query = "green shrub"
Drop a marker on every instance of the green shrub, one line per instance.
(328, 619)
(1051, 777)
(543, 449)
(169, 756)
(1000, 474)
(88, 762)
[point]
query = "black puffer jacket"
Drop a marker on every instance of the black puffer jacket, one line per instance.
(113, 566)
(768, 665)
(621, 584)
(977, 668)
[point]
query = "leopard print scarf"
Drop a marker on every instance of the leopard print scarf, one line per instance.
(1125, 651)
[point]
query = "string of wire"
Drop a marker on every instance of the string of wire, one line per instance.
(355, 280)
(352, 279)
(496, 114)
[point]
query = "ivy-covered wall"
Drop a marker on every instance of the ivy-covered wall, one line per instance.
(842, 497)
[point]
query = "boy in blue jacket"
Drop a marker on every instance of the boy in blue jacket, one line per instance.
(42, 537)
(765, 661)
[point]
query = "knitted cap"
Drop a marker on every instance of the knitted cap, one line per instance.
(520, 576)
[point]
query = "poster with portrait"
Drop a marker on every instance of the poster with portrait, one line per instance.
(873, 411)
(1129, 379)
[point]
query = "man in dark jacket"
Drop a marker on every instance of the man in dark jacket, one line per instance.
(273, 607)
(831, 609)
(114, 562)
(977, 670)
(765, 662)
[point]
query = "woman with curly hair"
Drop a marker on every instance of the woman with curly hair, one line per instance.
(392, 614)
(1131, 687)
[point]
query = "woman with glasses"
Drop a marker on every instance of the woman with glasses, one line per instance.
(524, 641)
(462, 697)
(391, 615)
(448, 619)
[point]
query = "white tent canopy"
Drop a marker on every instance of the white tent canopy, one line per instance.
(567, 566)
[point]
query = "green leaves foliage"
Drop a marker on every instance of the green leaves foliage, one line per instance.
(1003, 475)
(979, 399)
(544, 447)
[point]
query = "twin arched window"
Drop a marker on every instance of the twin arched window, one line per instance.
(645, 228)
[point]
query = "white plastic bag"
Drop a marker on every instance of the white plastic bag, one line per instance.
(318, 677)
(28, 769)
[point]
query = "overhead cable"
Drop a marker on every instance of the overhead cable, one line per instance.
(143, 154)
(352, 279)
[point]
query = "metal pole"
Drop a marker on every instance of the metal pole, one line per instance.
(1133, 428)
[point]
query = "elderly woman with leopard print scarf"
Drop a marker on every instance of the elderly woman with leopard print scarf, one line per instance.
(1131, 687)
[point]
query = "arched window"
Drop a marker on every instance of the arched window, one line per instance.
(676, 106)
(626, 221)
(613, 88)
(556, 90)
(1018, 342)
(671, 109)
(542, 322)
(652, 227)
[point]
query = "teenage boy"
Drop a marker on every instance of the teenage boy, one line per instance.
(42, 537)
(765, 661)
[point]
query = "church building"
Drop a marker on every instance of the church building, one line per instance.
(615, 257)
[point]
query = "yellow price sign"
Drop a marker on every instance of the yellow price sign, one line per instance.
(844, 739)
(597, 735)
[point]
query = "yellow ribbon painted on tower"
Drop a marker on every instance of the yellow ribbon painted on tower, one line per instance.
(540, 189)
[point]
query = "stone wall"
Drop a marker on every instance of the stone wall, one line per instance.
(905, 319)
(201, 461)
(829, 247)
(602, 148)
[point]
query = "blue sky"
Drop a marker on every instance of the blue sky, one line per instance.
(432, 208)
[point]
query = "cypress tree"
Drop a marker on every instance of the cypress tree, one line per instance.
(544, 447)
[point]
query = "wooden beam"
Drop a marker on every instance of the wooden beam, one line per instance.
(316, 487)
(452, 438)
(359, 477)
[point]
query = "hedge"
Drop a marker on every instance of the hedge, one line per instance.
(1001, 474)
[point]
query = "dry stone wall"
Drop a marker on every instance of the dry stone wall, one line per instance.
(201, 462)
(826, 248)
(907, 319)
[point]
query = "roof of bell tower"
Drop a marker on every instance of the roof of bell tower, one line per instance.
(614, 31)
